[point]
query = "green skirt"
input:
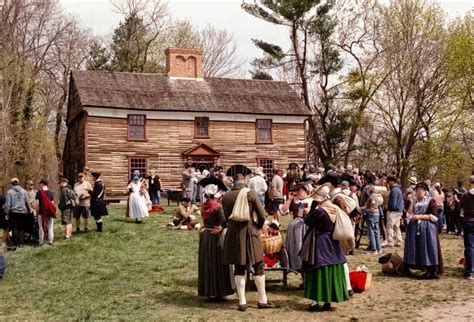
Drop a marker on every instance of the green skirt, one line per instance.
(326, 284)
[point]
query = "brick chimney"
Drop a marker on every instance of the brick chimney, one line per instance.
(184, 63)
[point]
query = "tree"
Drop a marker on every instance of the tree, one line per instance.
(312, 61)
(413, 99)
(36, 42)
(135, 39)
(358, 30)
(220, 53)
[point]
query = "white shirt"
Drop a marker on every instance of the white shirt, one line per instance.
(258, 184)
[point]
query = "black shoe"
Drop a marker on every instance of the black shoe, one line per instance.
(326, 307)
(78, 230)
(243, 308)
(268, 305)
(352, 253)
(314, 308)
(86, 229)
(351, 293)
(99, 227)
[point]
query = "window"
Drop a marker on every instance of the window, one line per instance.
(136, 127)
(201, 127)
(138, 163)
(267, 166)
(264, 131)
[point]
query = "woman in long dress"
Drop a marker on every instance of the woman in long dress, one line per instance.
(323, 257)
(137, 207)
(299, 205)
(422, 247)
(213, 276)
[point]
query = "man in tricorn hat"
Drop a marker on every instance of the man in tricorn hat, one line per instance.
(242, 245)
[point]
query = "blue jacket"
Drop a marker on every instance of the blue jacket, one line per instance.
(395, 199)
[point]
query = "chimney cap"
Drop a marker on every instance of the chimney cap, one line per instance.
(185, 51)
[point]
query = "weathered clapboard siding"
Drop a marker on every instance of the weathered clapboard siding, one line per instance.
(108, 149)
(74, 150)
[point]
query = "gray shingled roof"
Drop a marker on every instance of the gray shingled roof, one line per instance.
(159, 92)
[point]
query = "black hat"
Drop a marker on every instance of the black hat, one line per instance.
(238, 169)
(44, 182)
(332, 178)
(293, 165)
(422, 185)
(95, 174)
(213, 180)
(301, 184)
(65, 180)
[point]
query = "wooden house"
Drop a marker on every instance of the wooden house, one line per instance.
(120, 122)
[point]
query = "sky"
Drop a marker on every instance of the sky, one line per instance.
(98, 15)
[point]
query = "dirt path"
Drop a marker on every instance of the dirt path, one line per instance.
(452, 312)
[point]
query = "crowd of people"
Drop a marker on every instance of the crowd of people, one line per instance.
(315, 198)
(235, 206)
(28, 214)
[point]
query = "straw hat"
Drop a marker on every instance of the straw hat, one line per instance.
(413, 180)
(321, 193)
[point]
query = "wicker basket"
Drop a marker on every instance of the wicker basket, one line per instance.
(271, 244)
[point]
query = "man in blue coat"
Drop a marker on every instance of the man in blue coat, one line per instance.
(395, 212)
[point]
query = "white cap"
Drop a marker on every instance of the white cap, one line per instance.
(321, 193)
(211, 189)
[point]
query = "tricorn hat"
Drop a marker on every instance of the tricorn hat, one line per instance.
(238, 169)
(422, 185)
(332, 178)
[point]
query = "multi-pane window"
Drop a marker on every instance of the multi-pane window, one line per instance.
(137, 163)
(267, 166)
(136, 127)
(264, 131)
(201, 127)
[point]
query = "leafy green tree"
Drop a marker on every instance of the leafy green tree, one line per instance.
(314, 60)
(99, 57)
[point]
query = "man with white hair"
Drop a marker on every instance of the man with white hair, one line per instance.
(258, 184)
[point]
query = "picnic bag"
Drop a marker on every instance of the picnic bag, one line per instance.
(343, 227)
(3, 266)
(360, 281)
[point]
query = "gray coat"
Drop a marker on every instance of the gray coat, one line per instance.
(242, 243)
(16, 201)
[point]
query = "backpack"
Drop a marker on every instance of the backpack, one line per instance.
(349, 203)
(72, 198)
(343, 230)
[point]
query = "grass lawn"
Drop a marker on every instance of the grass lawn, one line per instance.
(145, 272)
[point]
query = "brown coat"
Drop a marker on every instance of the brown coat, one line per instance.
(242, 243)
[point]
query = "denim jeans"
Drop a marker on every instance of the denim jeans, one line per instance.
(468, 246)
(262, 199)
(373, 231)
(441, 219)
(155, 197)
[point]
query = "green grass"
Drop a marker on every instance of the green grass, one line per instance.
(147, 272)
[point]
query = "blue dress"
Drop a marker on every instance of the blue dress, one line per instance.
(422, 248)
